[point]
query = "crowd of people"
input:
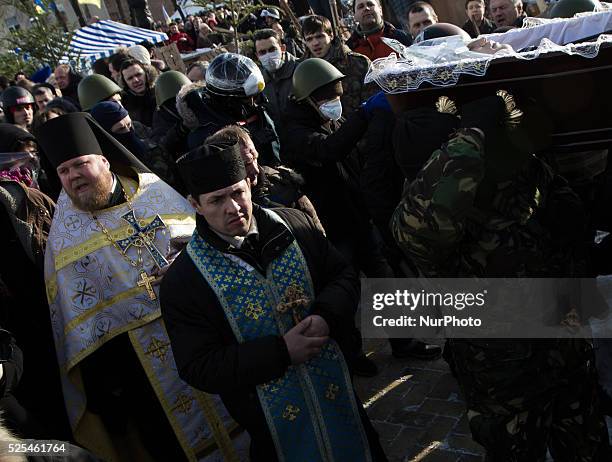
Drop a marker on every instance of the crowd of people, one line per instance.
(183, 250)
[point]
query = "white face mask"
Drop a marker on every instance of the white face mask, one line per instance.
(272, 61)
(331, 110)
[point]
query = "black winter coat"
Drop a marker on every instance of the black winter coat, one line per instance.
(320, 152)
(140, 107)
(278, 88)
(164, 119)
(381, 179)
(262, 131)
(207, 354)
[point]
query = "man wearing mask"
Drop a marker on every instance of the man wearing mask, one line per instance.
(321, 43)
(318, 144)
(230, 96)
(18, 105)
(278, 66)
(138, 96)
(113, 118)
(367, 37)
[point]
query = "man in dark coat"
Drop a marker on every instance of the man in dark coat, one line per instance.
(507, 13)
(367, 37)
(140, 13)
(278, 67)
(68, 82)
(322, 43)
(319, 147)
(230, 96)
(477, 24)
(258, 352)
(138, 97)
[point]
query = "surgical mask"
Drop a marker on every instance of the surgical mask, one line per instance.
(272, 61)
(331, 110)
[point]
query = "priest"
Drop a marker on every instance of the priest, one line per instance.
(116, 230)
(269, 307)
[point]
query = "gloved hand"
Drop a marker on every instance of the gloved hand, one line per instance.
(486, 114)
(377, 101)
(506, 150)
(417, 134)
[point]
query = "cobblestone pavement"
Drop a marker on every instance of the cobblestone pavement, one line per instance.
(416, 408)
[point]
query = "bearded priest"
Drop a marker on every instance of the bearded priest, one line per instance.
(116, 230)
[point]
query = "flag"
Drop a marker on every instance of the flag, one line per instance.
(39, 6)
(96, 3)
(167, 19)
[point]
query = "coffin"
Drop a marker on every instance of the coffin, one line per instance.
(571, 79)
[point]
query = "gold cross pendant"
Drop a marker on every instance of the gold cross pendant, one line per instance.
(145, 280)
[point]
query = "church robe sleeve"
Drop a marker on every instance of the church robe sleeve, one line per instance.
(206, 352)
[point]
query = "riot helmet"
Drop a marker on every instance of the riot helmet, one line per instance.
(94, 89)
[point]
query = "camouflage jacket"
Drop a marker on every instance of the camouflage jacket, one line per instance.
(452, 222)
(355, 67)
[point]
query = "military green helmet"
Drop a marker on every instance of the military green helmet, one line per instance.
(168, 85)
(569, 8)
(94, 89)
(312, 74)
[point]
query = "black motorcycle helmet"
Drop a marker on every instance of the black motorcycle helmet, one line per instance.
(439, 30)
(12, 97)
(233, 81)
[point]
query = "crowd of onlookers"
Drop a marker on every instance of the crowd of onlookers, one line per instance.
(215, 28)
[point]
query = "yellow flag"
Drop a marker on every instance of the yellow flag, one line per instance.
(96, 3)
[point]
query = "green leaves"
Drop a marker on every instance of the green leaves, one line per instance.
(44, 41)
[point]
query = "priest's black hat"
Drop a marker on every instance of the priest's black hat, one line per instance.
(211, 167)
(77, 134)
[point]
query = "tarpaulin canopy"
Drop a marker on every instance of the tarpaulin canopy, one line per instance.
(101, 38)
(188, 8)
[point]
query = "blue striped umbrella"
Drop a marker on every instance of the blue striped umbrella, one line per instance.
(101, 38)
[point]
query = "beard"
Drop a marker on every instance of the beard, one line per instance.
(96, 198)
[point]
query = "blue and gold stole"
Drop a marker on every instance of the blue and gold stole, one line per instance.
(311, 411)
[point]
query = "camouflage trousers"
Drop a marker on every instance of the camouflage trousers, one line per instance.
(527, 396)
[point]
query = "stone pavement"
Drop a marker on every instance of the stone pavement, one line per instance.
(416, 408)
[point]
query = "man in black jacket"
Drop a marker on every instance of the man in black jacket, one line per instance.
(270, 306)
(321, 148)
(68, 82)
(318, 143)
(231, 96)
(138, 96)
(278, 67)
